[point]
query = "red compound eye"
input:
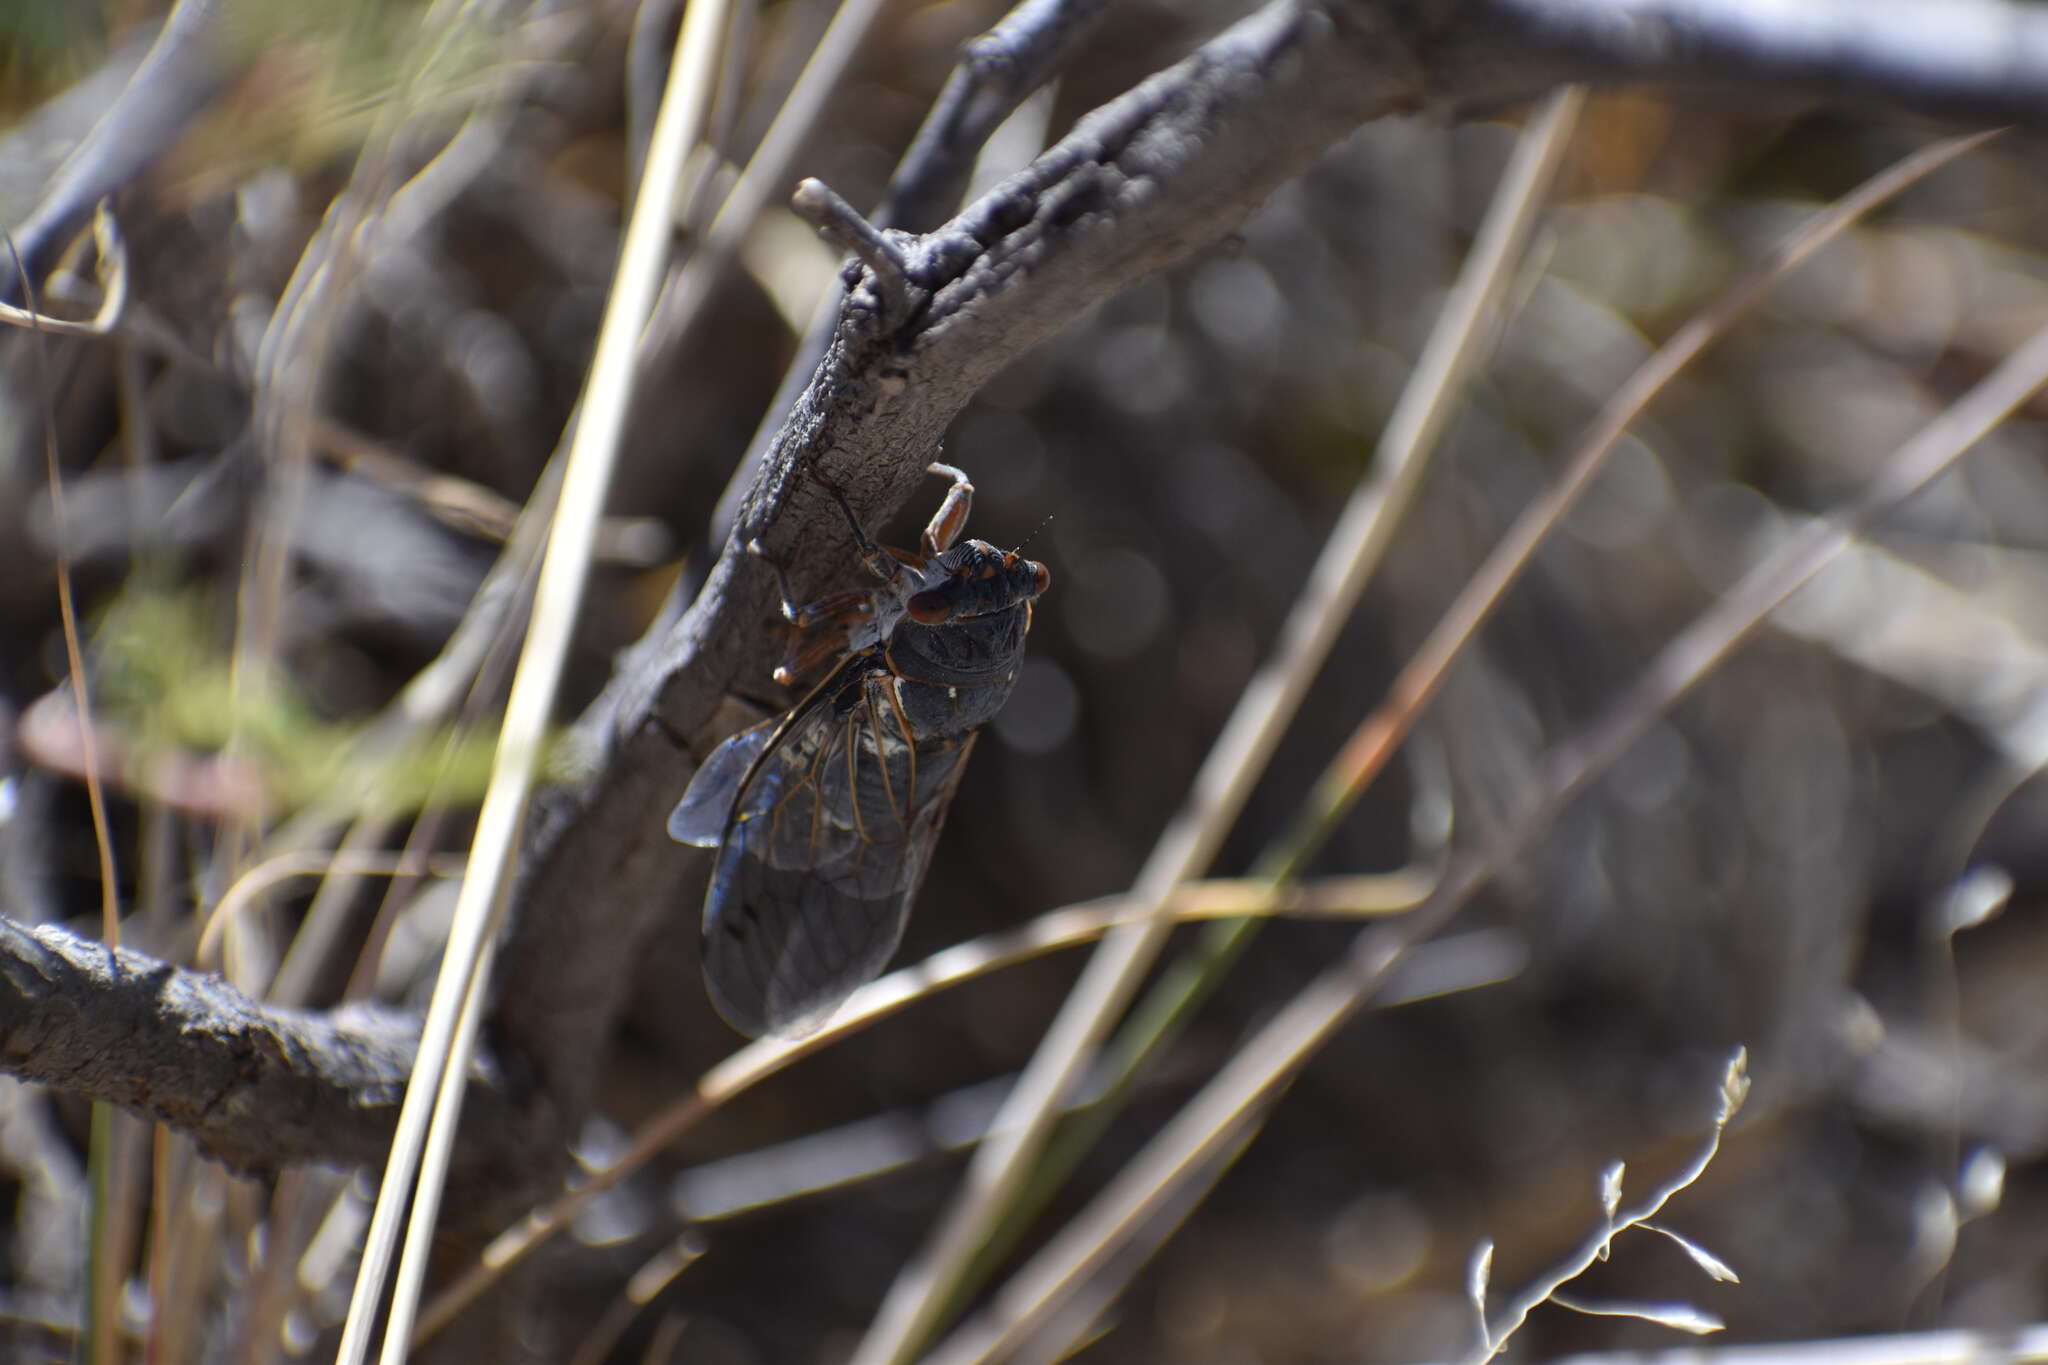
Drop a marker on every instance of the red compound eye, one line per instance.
(1041, 578)
(929, 609)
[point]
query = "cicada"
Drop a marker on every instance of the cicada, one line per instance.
(824, 819)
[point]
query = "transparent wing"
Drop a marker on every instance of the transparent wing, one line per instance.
(827, 841)
(700, 817)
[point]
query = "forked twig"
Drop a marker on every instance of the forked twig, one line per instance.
(996, 73)
(1494, 1333)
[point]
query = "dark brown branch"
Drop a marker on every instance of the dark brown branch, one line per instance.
(257, 1087)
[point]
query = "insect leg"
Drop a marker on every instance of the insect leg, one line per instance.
(790, 611)
(841, 609)
(823, 627)
(808, 650)
(951, 519)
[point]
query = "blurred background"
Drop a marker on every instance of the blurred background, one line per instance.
(1777, 865)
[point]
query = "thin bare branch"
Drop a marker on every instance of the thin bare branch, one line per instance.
(257, 1087)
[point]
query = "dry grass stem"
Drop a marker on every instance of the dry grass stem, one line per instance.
(645, 1284)
(689, 288)
(273, 872)
(113, 271)
(115, 1184)
(421, 1145)
(1423, 675)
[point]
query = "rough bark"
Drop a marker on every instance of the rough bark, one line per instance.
(257, 1087)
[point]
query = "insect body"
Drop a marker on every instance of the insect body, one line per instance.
(824, 820)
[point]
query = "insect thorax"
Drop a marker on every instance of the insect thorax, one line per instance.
(957, 675)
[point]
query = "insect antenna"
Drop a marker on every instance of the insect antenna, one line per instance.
(1019, 547)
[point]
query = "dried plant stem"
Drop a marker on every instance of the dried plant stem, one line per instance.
(433, 1101)
(251, 885)
(1376, 740)
(1702, 645)
(641, 1288)
(469, 672)
(113, 309)
(768, 169)
(1374, 743)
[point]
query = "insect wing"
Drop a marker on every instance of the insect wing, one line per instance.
(828, 841)
(700, 817)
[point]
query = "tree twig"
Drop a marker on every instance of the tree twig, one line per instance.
(257, 1087)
